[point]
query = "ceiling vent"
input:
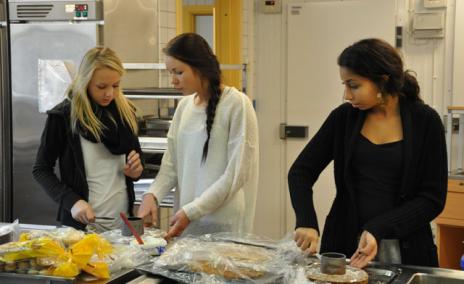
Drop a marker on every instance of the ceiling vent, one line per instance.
(33, 11)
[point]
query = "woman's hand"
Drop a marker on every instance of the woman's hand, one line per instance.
(367, 250)
(148, 210)
(306, 239)
(83, 212)
(179, 222)
(133, 167)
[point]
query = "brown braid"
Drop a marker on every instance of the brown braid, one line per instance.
(213, 101)
(194, 50)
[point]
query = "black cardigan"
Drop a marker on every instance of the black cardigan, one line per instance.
(422, 193)
(59, 143)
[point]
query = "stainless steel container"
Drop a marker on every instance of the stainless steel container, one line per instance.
(333, 263)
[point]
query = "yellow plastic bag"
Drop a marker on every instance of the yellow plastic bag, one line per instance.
(66, 269)
(67, 263)
(83, 250)
(98, 269)
(41, 247)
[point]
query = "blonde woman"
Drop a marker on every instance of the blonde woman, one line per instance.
(92, 134)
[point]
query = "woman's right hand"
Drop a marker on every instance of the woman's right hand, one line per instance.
(83, 212)
(149, 208)
(306, 239)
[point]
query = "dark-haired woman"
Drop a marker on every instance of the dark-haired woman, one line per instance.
(390, 165)
(212, 156)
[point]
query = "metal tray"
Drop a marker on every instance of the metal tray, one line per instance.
(382, 275)
(7, 278)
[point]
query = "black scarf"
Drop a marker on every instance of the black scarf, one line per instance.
(116, 135)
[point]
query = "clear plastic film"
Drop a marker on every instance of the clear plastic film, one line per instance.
(123, 258)
(154, 243)
(115, 236)
(128, 253)
(228, 258)
(67, 235)
(9, 232)
(54, 77)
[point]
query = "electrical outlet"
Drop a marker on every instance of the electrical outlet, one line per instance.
(271, 6)
(454, 124)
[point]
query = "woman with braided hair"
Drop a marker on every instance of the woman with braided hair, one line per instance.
(212, 156)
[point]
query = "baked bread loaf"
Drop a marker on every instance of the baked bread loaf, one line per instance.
(226, 259)
(353, 275)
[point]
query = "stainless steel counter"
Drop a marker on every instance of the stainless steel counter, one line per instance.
(406, 272)
(456, 175)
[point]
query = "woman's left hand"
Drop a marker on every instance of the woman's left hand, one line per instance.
(367, 250)
(179, 222)
(133, 167)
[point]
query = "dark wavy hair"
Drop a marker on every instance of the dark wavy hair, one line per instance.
(381, 63)
(194, 50)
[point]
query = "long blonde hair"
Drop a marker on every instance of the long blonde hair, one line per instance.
(81, 108)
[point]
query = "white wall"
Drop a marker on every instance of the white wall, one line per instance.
(167, 30)
(430, 58)
(458, 66)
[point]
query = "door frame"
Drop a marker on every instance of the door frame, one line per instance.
(227, 32)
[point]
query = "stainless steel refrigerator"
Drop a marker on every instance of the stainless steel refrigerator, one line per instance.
(5, 138)
(45, 30)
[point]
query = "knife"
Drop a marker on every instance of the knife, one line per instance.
(105, 218)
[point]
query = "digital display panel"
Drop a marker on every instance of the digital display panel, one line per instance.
(80, 7)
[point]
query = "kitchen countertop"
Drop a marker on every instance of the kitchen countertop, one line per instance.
(456, 175)
(405, 272)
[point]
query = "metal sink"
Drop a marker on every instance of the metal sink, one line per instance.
(424, 278)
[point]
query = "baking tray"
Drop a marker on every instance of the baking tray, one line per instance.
(192, 277)
(7, 278)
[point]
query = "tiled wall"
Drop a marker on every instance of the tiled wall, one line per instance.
(167, 30)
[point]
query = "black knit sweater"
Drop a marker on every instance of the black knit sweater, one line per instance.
(59, 143)
(421, 196)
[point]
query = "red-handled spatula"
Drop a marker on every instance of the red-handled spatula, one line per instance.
(136, 235)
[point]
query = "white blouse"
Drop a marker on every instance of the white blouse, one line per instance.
(219, 194)
(107, 183)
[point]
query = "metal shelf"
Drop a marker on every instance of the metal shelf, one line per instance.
(153, 93)
(141, 97)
